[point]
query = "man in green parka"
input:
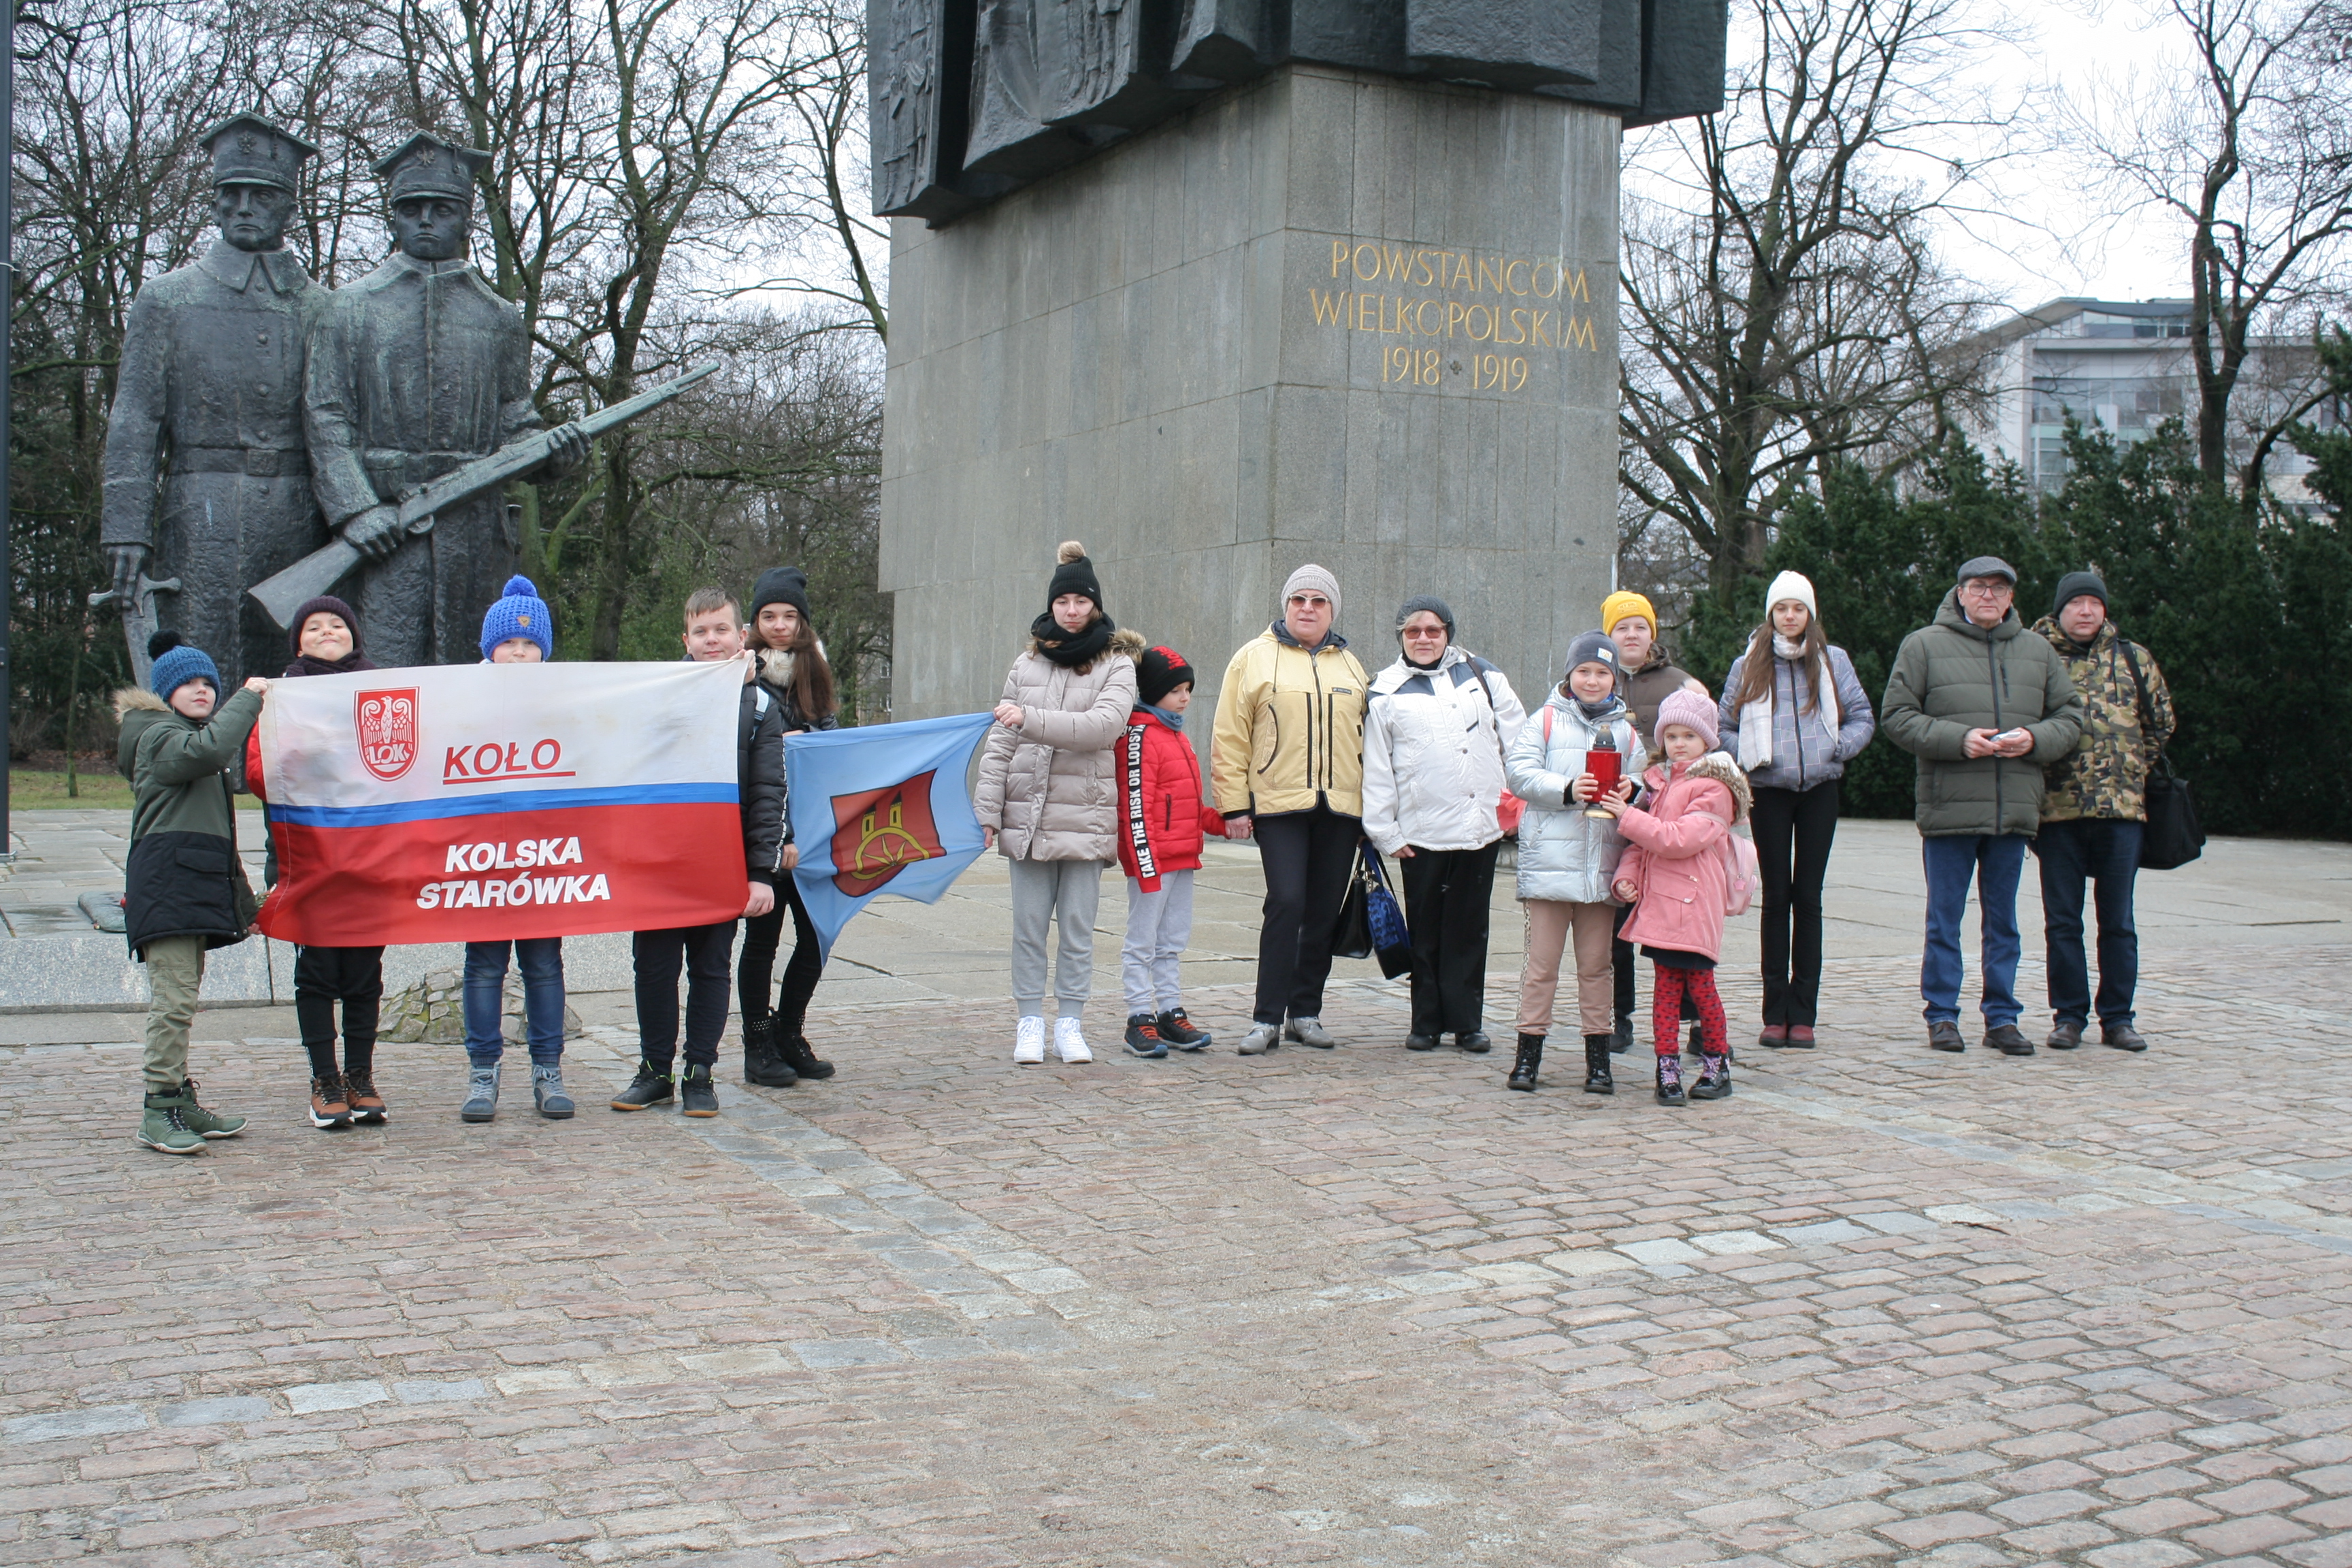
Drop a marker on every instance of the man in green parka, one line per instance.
(1984, 707)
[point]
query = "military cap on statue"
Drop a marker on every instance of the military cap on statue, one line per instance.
(249, 151)
(426, 165)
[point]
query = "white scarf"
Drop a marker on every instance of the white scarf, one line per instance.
(1756, 718)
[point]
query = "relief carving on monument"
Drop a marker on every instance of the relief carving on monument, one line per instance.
(904, 73)
(973, 99)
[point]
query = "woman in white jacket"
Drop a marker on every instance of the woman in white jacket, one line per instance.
(1436, 731)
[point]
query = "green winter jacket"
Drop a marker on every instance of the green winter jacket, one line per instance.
(182, 877)
(2106, 776)
(173, 764)
(1952, 676)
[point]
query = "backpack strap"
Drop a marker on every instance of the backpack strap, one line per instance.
(2139, 683)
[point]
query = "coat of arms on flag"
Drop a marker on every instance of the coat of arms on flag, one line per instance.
(879, 809)
(882, 832)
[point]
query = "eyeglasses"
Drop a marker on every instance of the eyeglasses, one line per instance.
(1422, 634)
(1311, 601)
(1988, 587)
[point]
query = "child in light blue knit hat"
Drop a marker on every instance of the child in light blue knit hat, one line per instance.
(518, 629)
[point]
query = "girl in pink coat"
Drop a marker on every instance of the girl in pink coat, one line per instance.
(1674, 875)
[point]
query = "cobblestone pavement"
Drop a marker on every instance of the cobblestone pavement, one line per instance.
(1883, 1306)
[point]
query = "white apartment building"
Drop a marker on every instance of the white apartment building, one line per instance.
(2122, 366)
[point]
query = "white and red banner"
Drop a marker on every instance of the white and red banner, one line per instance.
(473, 803)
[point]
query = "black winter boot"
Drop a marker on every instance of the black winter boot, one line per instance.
(1670, 1081)
(1596, 1065)
(762, 1065)
(1714, 1078)
(1622, 1040)
(794, 1050)
(1523, 1071)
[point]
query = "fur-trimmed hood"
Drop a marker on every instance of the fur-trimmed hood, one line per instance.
(130, 699)
(1719, 766)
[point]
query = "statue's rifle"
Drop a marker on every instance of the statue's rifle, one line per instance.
(138, 618)
(319, 571)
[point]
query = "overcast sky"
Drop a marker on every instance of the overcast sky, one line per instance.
(2076, 46)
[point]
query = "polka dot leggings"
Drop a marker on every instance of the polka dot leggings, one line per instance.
(1671, 986)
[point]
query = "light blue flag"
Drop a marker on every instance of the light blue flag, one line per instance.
(881, 809)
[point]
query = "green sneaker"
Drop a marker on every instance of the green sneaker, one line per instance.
(166, 1125)
(202, 1122)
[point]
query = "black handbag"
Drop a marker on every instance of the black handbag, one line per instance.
(1353, 937)
(2172, 836)
(1371, 923)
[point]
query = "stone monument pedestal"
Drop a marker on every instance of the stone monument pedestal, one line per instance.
(1329, 316)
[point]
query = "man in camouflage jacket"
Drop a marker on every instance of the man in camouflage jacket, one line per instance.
(2094, 811)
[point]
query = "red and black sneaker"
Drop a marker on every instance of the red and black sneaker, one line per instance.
(1177, 1031)
(1143, 1036)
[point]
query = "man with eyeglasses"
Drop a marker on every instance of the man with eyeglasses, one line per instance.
(1983, 707)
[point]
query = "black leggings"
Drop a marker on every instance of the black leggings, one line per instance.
(323, 976)
(1794, 830)
(752, 970)
(1307, 856)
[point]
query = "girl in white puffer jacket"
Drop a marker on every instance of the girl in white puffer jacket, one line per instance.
(1568, 859)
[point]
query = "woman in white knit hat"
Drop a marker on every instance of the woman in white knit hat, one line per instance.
(1792, 714)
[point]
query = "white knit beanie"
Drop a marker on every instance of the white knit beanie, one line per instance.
(1791, 585)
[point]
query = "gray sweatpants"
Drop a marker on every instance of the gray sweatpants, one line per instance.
(1042, 889)
(1158, 929)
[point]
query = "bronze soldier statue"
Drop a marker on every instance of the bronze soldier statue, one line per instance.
(209, 398)
(414, 369)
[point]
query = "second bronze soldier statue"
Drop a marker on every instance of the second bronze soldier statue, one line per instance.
(416, 369)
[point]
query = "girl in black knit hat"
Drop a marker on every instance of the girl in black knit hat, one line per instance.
(1045, 795)
(324, 638)
(792, 666)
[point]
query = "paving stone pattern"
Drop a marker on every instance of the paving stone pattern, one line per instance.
(1882, 1306)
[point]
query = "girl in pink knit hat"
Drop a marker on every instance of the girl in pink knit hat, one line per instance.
(1674, 875)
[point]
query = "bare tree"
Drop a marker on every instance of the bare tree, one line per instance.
(1782, 304)
(649, 157)
(2251, 148)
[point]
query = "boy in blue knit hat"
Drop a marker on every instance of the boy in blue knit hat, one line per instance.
(185, 891)
(518, 629)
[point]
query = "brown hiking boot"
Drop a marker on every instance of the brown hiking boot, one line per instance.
(329, 1106)
(367, 1105)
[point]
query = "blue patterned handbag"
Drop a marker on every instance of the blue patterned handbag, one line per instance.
(1392, 944)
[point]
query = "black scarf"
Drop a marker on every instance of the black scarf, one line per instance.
(1070, 649)
(350, 663)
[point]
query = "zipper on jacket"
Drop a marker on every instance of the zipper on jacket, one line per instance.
(1992, 682)
(1796, 722)
(1315, 718)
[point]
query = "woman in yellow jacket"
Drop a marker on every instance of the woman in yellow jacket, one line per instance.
(1287, 762)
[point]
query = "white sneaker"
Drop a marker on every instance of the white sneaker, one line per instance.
(1069, 1044)
(1029, 1040)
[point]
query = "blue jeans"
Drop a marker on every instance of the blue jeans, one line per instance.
(2107, 853)
(1994, 861)
(541, 959)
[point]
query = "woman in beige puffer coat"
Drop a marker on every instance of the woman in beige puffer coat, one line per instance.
(1048, 795)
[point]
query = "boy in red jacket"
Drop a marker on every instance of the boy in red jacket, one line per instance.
(1163, 820)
